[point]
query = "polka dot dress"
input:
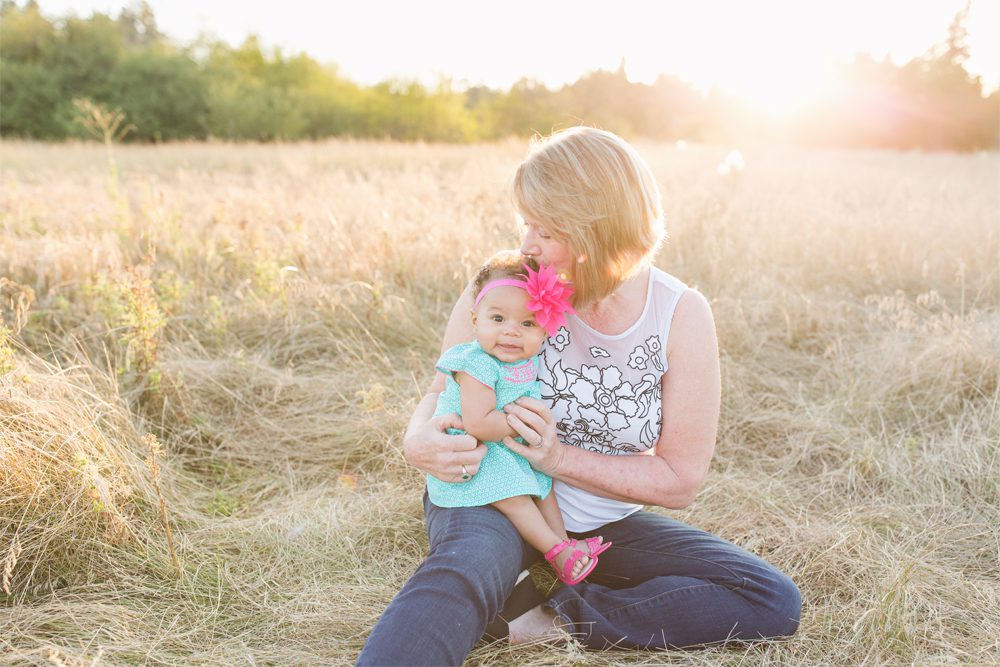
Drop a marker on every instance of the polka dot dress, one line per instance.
(502, 473)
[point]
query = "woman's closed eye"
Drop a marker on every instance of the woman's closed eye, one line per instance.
(541, 234)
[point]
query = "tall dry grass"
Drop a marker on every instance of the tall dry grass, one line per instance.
(270, 313)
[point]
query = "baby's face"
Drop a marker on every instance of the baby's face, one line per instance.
(504, 326)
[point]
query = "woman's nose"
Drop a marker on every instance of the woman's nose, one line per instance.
(529, 247)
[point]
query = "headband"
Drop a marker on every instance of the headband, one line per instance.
(548, 296)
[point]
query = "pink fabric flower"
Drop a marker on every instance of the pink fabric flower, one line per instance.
(549, 297)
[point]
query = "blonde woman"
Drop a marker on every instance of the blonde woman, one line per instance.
(628, 417)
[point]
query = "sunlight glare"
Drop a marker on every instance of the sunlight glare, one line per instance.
(776, 67)
(732, 163)
(781, 88)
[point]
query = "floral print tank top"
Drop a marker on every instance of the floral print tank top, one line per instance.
(605, 393)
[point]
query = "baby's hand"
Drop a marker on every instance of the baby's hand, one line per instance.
(533, 420)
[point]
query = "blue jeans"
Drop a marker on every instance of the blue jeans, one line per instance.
(662, 585)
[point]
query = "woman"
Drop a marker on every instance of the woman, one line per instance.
(628, 417)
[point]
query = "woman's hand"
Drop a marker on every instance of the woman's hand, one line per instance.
(533, 420)
(430, 448)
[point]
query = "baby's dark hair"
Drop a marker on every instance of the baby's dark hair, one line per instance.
(504, 264)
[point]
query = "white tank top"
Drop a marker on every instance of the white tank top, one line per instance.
(605, 393)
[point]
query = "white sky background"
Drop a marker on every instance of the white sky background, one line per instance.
(744, 46)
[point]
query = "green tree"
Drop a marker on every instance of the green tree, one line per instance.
(138, 26)
(330, 104)
(528, 107)
(86, 54)
(33, 104)
(249, 96)
(249, 92)
(672, 109)
(947, 109)
(25, 35)
(31, 95)
(604, 99)
(163, 95)
(409, 111)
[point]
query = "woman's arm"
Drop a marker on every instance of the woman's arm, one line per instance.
(690, 415)
(426, 445)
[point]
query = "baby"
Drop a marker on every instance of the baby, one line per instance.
(517, 305)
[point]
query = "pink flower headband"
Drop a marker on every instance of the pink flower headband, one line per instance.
(548, 296)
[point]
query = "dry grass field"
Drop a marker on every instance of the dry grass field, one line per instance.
(228, 340)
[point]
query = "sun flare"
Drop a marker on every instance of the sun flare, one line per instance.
(781, 89)
(765, 79)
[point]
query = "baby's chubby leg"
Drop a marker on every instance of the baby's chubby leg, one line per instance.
(534, 527)
(549, 508)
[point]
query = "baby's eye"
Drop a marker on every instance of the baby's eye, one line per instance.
(528, 323)
(497, 318)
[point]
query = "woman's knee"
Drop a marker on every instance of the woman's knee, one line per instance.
(785, 606)
(488, 550)
(472, 530)
(477, 556)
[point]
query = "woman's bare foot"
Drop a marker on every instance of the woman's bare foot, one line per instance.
(537, 624)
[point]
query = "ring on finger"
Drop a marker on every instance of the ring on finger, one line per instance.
(465, 474)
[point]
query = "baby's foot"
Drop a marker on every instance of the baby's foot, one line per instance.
(580, 566)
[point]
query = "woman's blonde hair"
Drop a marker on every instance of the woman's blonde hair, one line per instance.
(592, 190)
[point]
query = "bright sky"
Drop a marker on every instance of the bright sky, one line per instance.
(771, 51)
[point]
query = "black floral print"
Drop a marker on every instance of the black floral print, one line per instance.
(649, 352)
(593, 403)
(560, 340)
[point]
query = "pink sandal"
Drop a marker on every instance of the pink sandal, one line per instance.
(596, 546)
(567, 572)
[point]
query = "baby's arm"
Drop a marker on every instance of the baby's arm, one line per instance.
(480, 417)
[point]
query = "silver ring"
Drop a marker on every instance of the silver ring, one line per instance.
(465, 474)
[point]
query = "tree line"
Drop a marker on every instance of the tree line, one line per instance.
(210, 89)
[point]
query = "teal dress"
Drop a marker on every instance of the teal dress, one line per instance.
(502, 473)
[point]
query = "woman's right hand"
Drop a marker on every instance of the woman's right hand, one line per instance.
(427, 445)
(430, 448)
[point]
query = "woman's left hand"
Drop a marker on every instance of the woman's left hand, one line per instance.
(533, 420)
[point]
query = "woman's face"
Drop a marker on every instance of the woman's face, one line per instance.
(540, 245)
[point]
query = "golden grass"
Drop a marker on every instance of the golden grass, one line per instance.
(270, 313)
